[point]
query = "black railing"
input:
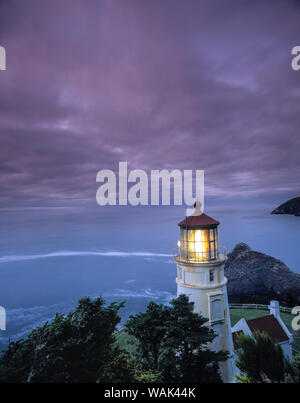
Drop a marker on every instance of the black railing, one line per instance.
(186, 255)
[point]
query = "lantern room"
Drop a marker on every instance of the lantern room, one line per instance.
(198, 238)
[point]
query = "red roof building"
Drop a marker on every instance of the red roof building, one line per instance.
(268, 324)
(271, 324)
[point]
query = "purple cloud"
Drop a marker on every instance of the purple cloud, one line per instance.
(169, 84)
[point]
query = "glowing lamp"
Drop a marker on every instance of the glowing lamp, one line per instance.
(198, 238)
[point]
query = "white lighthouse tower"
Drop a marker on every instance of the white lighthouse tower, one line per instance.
(200, 276)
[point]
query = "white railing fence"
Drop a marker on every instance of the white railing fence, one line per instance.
(259, 306)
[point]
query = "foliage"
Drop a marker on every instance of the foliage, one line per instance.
(173, 340)
(125, 369)
(295, 369)
(149, 329)
(259, 359)
(169, 344)
(79, 347)
(243, 379)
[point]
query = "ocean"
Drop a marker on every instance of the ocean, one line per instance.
(49, 258)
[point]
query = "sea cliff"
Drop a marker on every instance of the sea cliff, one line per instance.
(256, 277)
(290, 207)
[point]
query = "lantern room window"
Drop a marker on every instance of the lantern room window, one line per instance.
(198, 238)
(199, 244)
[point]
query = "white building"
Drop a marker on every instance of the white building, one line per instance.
(272, 325)
(200, 276)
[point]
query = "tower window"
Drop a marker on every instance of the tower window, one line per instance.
(216, 310)
(211, 275)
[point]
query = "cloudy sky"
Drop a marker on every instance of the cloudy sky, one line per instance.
(159, 83)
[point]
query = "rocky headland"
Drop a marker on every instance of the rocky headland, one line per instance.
(254, 277)
(290, 207)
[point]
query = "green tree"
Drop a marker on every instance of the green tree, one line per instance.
(173, 340)
(259, 359)
(126, 369)
(16, 362)
(79, 347)
(295, 369)
(82, 347)
(149, 329)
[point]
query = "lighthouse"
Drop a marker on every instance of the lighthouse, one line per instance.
(200, 276)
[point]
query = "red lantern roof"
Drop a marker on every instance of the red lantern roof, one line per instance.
(201, 220)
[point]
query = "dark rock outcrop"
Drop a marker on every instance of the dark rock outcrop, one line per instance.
(254, 277)
(290, 207)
